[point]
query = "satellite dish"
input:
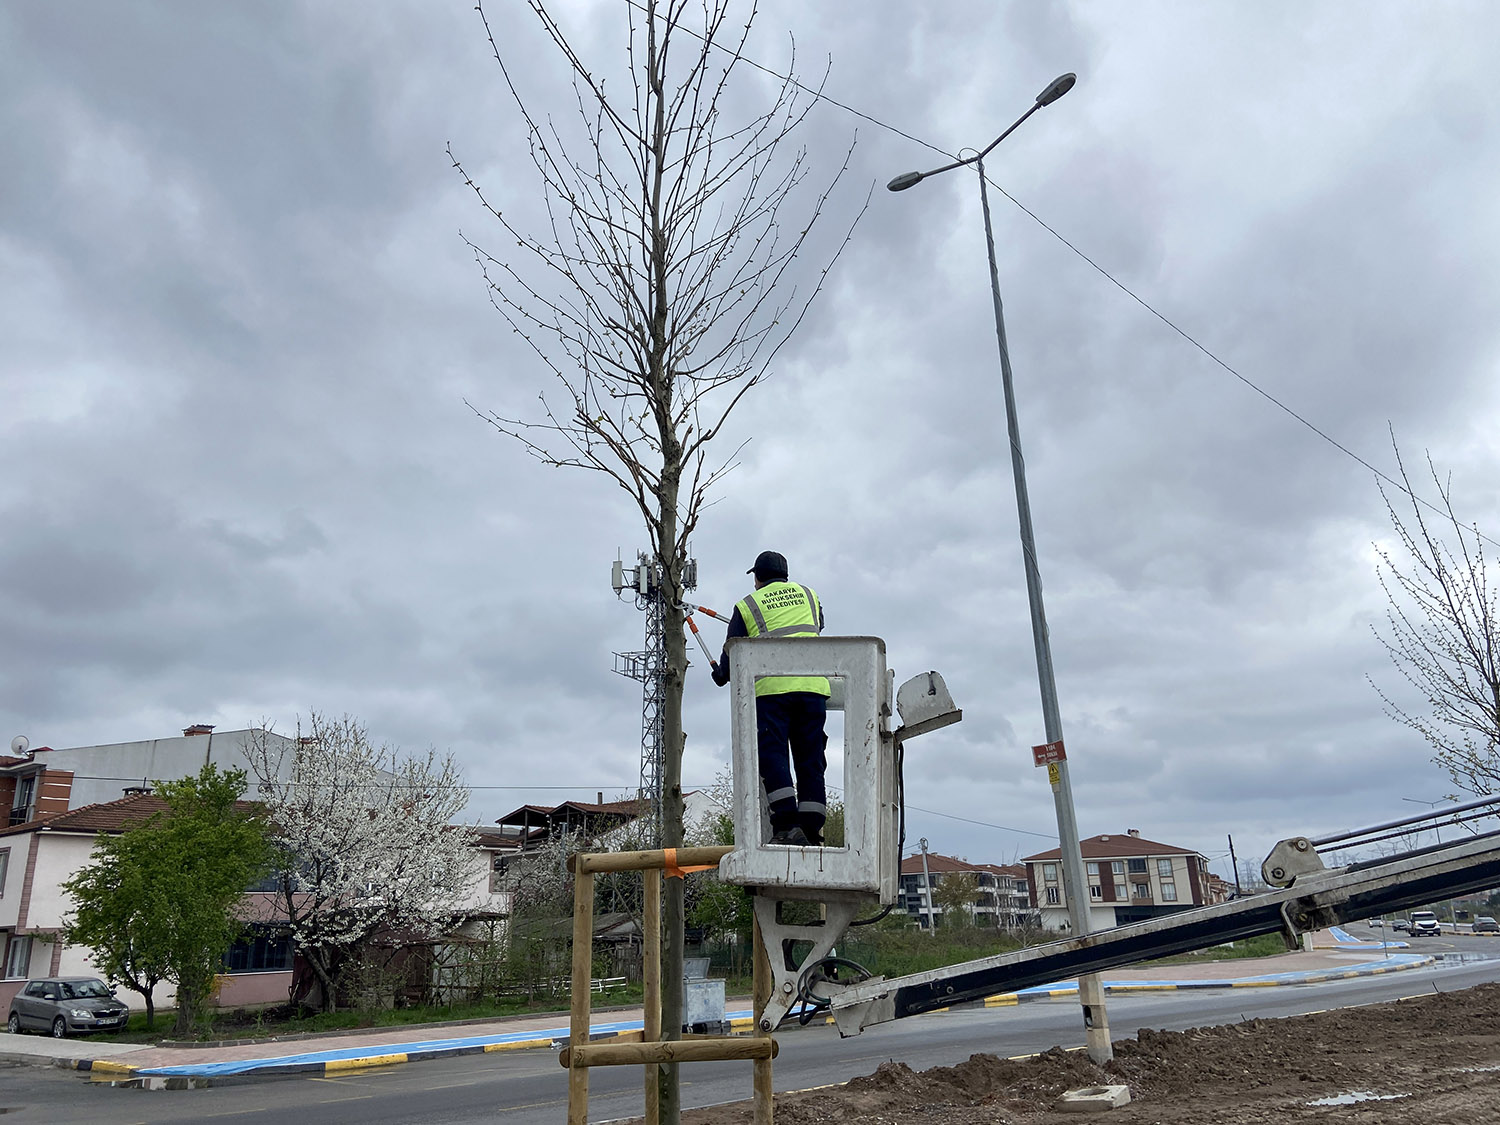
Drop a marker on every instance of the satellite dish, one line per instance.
(19, 745)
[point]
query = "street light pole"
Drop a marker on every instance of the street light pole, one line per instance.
(1075, 879)
(927, 887)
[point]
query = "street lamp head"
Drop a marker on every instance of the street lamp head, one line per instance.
(1056, 89)
(905, 180)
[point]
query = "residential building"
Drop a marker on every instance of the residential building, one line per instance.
(1002, 899)
(1219, 889)
(58, 800)
(37, 857)
(45, 780)
(1130, 878)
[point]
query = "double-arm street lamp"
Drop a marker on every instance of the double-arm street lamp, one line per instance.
(1075, 882)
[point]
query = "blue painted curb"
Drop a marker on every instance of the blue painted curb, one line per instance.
(372, 1055)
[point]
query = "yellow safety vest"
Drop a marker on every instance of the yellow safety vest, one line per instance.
(784, 609)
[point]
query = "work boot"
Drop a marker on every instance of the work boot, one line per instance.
(792, 837)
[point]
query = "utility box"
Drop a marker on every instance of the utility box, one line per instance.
(868, 863)
(702, 998)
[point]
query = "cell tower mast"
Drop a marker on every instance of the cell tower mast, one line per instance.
(649, 666)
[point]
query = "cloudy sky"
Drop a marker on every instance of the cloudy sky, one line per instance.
(238, 478)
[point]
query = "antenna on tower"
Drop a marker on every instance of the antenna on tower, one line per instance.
(648, 580)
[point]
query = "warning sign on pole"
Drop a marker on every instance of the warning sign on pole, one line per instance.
(1048, 752)
(1054, 775)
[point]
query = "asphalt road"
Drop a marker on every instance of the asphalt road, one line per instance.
(529, 1088)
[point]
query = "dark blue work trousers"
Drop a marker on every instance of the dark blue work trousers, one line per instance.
(791, 725)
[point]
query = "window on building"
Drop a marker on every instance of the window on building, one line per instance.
(1138, 866)
(18, 957)
(1117, 867)
(1096, 891)
(1052, 896)
(4, 866)
(1164, 868)
(1049, 872)
(1168, 891)
(1093, 869)
(259, 951)
(1143, 890)
(1120, 891)
(20, 808)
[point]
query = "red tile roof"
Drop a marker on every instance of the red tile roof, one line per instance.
(1114, 846)
(109, 816)
(938, 863)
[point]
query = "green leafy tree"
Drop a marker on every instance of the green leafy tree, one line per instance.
(116, 915)
(157, 901)
(956, 892)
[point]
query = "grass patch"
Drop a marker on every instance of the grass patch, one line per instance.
(1265, 945)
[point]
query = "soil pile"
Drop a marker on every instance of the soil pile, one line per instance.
(1433, 1059)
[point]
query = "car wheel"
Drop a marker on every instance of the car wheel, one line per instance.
(59, 1028)
(13, 1025)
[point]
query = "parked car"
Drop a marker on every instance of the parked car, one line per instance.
(1401, 926)
(1424, 923)
(66, 1006)
(1484, 924)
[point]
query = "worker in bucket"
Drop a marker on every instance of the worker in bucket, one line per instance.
(790, 711)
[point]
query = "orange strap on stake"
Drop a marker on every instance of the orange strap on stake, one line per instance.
(672, 871)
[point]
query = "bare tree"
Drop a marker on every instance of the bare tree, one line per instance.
(1441, 634)
(658, 291)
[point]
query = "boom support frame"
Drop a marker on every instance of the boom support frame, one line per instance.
(1313, 901)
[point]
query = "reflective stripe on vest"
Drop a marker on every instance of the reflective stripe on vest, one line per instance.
(783, 609)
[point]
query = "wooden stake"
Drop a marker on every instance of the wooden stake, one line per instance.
(583, 971)
(651, 985)
(707, 1049)
(761, 975)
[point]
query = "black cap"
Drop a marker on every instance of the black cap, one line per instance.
(769, 564)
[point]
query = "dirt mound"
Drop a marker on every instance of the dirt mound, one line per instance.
(1433, 1058)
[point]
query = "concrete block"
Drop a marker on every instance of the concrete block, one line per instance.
(1093, 1099)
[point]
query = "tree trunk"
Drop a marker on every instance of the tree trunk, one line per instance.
(673, 906)
(670, 555)
(150, 999)
(324, 973)
(187, 1009)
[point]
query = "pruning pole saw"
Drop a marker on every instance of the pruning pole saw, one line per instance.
(687, 612)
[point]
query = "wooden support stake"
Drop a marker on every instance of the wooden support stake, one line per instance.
(651, 985)
(600, 862)
(583, 971)
(707, 1049)
(761, 993)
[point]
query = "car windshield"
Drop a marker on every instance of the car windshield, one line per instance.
(85, 990)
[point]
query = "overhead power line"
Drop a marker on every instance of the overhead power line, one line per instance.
(819, 95)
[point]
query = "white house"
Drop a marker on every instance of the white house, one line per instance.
(1130, 879)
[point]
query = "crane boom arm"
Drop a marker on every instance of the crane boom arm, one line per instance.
(1315, 899)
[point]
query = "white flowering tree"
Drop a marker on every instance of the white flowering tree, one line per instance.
(366, 842)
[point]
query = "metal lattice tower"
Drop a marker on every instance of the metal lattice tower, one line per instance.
(649, 666)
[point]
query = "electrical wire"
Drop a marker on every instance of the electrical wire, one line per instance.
(818, 94)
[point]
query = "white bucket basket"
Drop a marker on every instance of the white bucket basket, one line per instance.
(862, 690)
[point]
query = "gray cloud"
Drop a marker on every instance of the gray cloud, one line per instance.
(238, 478)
